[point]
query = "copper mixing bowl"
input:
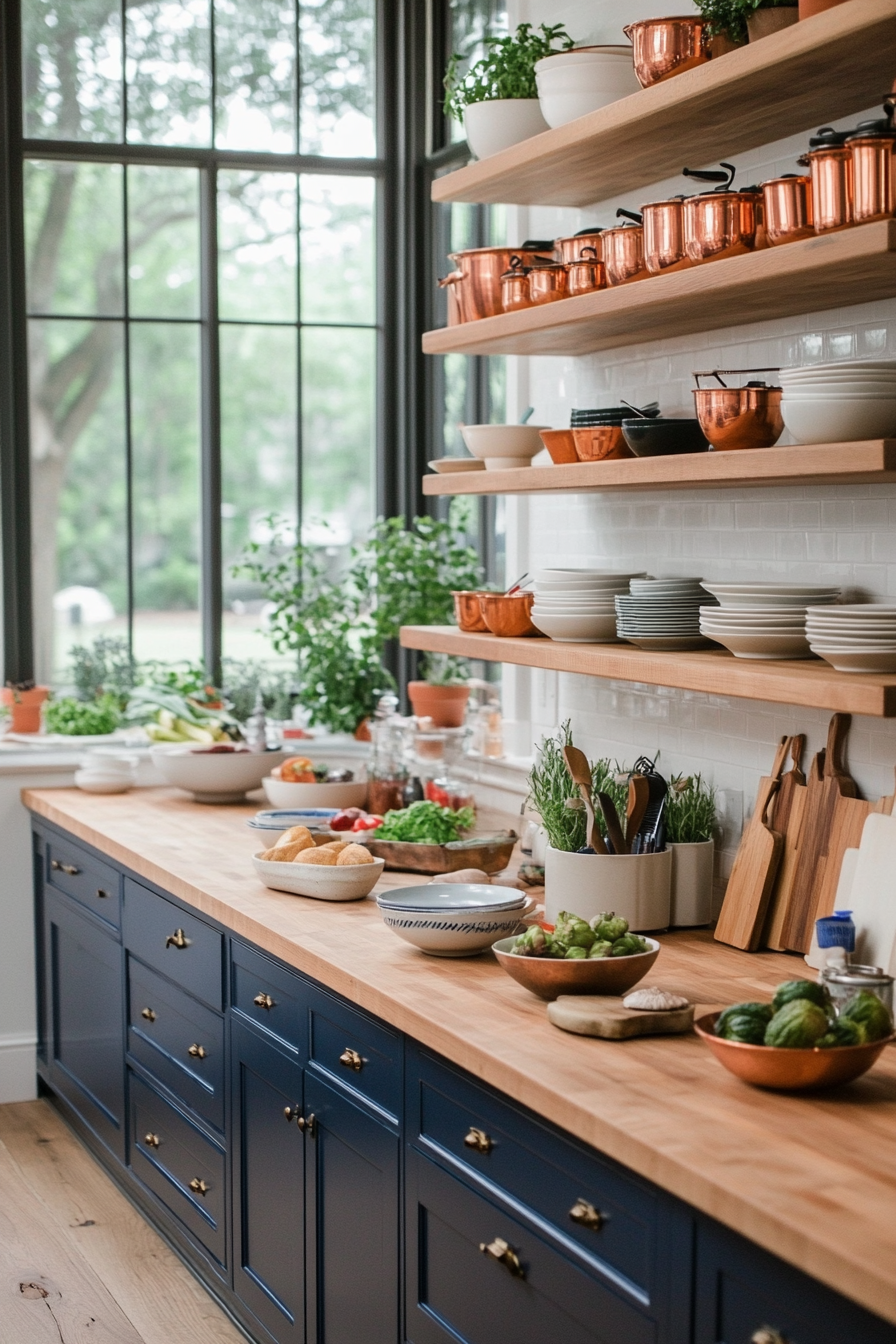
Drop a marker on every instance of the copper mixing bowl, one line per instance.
(549, 978)
(561, 444)
(789, 1070)
(739, 417)
(662, 48)
(507, 616)
(601, 443)
(468, 612)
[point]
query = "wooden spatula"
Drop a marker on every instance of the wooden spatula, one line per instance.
(611, 818)
(638, 798)
(787, 817)
(580, 774)
(755, 866)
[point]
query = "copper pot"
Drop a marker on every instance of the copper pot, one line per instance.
(508, 616)
(662, 48)
(623, 249)
(873, 150)
(586, 274)
(561, 444)
(664, 235)
(787, 208)
(468, 612)
(830, 167)
(547, 282)
(481, 269)
(722, 224)
(571, 249)
(450, 285)
(515, 287)
(739, 417)
(601, 443)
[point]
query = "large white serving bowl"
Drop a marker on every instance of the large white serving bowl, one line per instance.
(576, 629)
(213, 777)
(455, 931)
(499, 123)
(573, 83)
(279, 793)
(500, 446)
(350, 882)
(835, 421)
(773, 646)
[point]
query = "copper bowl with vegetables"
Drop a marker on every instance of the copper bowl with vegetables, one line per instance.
(578, 957)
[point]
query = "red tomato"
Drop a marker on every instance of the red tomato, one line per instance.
(345, 820)
(367, 823)
(436, 794)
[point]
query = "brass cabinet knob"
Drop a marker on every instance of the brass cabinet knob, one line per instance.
(148, 1014)
(307, 1126)
(290, 1113)
(199, 1187)
(103, 895)
(586, 1215)
(151, 1140)
(478, 1139)
(767, 1335)
(197, 1051)
(350, 1059)
(505, 1255)
(68, 868)
(177, 939)
(264, 1001)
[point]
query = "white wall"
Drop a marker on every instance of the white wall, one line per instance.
(841, 533)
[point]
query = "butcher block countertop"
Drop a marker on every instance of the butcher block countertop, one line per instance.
(812, 1179)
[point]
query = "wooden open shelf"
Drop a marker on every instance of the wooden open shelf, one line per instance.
(868, 462)
(834, 269)
(812, 682)
(826, 67)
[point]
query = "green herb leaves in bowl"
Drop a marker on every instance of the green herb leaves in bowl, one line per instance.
(425, 823)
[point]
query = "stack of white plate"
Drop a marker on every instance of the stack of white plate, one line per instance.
(575, 606)
(833, 403)
(860, 638)
(661, 614)
(763, 620)
(453, 919)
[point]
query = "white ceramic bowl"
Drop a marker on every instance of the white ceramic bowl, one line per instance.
(272, 824)
(848, 392)
(769, 595)
(499, 123)
(500, 446)
(350, 882)
(581, 629)
(98, 781)
(585, 576)
(872, 661)
(282, 794)
(839, 421)
(213, 777)
(572, 84)
(455, 932)
(754, 645)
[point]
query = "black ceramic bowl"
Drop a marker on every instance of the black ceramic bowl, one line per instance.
(663, 438)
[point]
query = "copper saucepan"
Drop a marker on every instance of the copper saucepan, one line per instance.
(662, 48)
(723, 222)
(547, 282)
(872, 147)
(739, 417)
(480, 270)
(515, 286)
(623, 249)
(571, 249)
(787, 208)
(664, 248)
(586, 274)
(830, 167)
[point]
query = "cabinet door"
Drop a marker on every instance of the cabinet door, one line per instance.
(353, 1199)
(268, 1184)
(86, 1018)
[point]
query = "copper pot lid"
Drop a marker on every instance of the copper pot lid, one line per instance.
(785, 177)
(732, 373)
(828, 138)
(872, 130)
(530, 245)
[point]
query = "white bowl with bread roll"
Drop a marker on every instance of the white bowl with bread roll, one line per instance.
(339, 870)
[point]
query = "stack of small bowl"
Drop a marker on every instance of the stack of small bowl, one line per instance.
(859, 638)
(661, 614)
(837, 403)
(576, 606)
(763, 620)
(598, 433)
(453, 919)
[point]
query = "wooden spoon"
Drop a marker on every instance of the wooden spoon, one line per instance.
(580, 774)
(638, 798)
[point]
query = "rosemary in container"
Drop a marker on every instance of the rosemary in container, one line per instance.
(690, 813)
(551, 790)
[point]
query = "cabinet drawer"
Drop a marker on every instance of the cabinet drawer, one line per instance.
(174, 942)
(272, 997)
(535, 1165)
(78, 873)
(458, 1292)
(357, 1053)
(180, 1165)
(178, 1039)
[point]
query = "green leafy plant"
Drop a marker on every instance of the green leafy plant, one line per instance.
(443, 669)
(426, 823)
(551, 790)
(243, 681)
(83, 718)
(690, 812)
(105, 667)
(507, 70)
(728, 18)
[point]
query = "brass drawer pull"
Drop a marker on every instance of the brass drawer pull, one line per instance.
(478, 1139)
(264, 1001)
(197, 1051)
(177, 939)
(199, 1187)
(350, 1059)
(68, 868)
(586, 1215)
(290, 1113)
(148, 1014)
(766, 1335)
(103, 895)
(151, 1140)
(308, 1126)
(504, 1254)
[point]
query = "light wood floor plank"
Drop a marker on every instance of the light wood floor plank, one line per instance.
(154, 1291)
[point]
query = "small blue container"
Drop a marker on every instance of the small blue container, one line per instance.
(836, 930)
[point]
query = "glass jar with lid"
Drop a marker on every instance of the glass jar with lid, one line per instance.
(845, 982)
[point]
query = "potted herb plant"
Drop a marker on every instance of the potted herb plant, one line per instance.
(443, 694)
(497, 98)
(690, 818)
(743, 20)
(24, 700)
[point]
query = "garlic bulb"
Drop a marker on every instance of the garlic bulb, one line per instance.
(654, 1000)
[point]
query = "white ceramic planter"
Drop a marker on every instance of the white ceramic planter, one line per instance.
(692, 867)
(499, 123)
(636, 886)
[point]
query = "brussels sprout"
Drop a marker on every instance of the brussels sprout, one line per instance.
(609, 926)
(842, 1031)
(743, 1027)
(796, 1026)
(761, 1012)
(556, 947)
(576, 954)
(532, 943)
(627, 946)
(601, 948)
(801, 989)
(873, 1015)
(573, 931)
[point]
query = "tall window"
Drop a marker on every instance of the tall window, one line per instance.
(201, 185)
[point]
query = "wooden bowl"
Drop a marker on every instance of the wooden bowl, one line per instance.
(561, 444)
(549, 978)
(788, 1070)
(508, 616)
(601, 443)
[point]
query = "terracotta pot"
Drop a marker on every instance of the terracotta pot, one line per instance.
(808, 8)
(362, 732)
(764, 22)
(445, 705)
(24, 707)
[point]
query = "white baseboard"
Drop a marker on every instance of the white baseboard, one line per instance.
(18, 1068)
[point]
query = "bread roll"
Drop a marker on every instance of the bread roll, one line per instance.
(337, 846)
(315, 855)
(354, 854)
(286, 853)
(294, 834)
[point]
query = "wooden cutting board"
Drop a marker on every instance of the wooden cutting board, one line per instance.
(605, 1015)
(828, 782)
(755, 868)
(787, 817)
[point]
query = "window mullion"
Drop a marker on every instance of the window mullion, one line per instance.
(211, 585)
